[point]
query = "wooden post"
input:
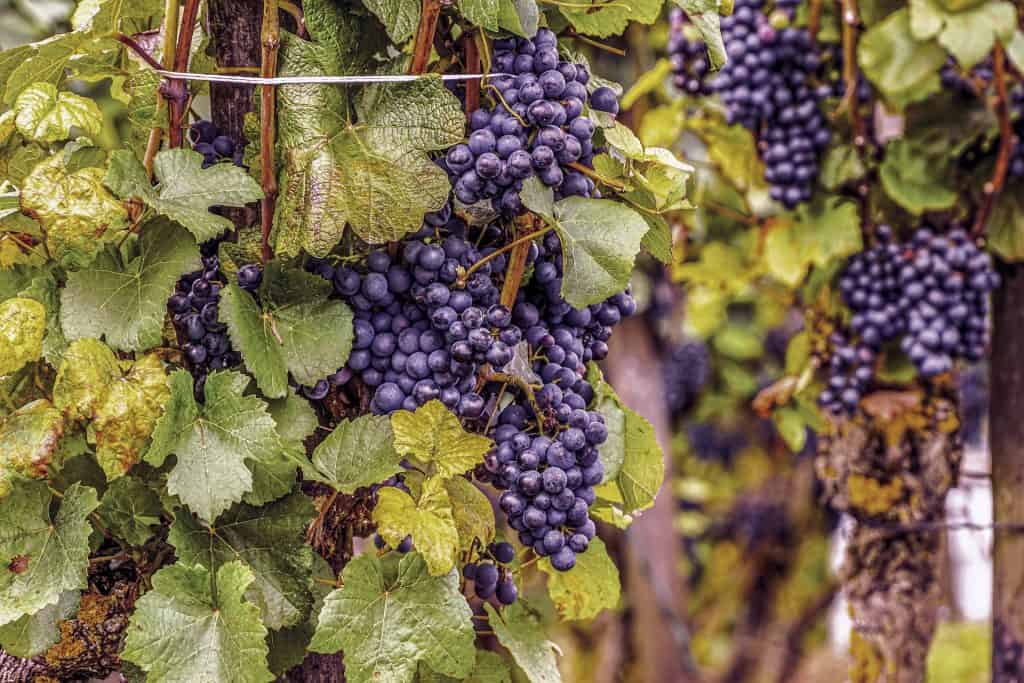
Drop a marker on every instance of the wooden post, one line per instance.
(1006, 440)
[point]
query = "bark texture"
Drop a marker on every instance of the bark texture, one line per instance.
(890, 468)
(1006, 440)
(659, 638)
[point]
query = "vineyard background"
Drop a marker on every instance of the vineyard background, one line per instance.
(736, 566)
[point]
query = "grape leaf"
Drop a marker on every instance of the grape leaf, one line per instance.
(42, 62)
(634, 465)
(657, 241)
(519, 629)
(185, 191)
(270, 541)
(490, 667)
(603, 19)
(358, 453)
(484, 13)
(294, 417)
(125, 419)
(435, 436)
(197, 626)
(474, 516)
(22, 326)
(521, 17)
(29, 438)
(130, 510)
(400, 17)
(386, 623)
(706, 20)
(903, 68)
(216, 443)
(914, 180)
(42, 554)
(84, 377)
(1006, 225)
(600, 241)
(298, 330)
(127, 304)
(33, 634)
(44, 289)
(75, 210)
(373, 174)
(969, 33)
(48, 116)
(820, 234)
(588, 588)
(430, 521)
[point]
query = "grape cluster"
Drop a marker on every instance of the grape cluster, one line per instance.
(1016, 167)
(766, 88)
(931, 292)
(194, 314)
(535, 128)
(687, 369)
(688, 56)
(491, 579)
(206, 139)
(967, 84)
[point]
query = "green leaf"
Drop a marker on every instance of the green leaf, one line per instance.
(74, 209)
(358, 453)
(484, 13)
(127, 304)
(474, 516)
(521, 17)
(185, 191)
(216, 443)
(842, 164)
(914, 180)
(197, 626)
(400, 17)
(709, 26)
(42, 62)
(375, 174)
(270, 540)
(22, 326)
(48, 116)
(1006, 225)
(519, 629)
(294, 417)
(818, 234)
(739, 342)
(387, 623)
(791, 427)
(600, 240)
(968, 33)
(29, 438)
(45, 289)
(33, 634)
(130, 510)
(658, 239)
(434, 435)
(731, 149)
(1015, 49)
(490, 667)
(903, 68)
(587, 589)
(603, 19)
(42, 554)
(430, 521)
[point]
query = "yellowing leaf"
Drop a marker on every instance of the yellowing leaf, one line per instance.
(474, 516)
(430, 521)
(434, 435)
(22, 326)
(587, 589)
(83, 378)
(47, 116)
(28, 440)
(76, 212)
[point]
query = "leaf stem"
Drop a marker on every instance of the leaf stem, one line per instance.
(498, 252)
(591, 173)
(1007, 140)
(850, 21)
(296, 13)
(270, 39)
(599, 45)
(471, 60)
(177, 90)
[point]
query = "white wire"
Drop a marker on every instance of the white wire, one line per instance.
(308, 80)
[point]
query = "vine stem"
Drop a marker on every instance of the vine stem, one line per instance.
(296, 13)
(599, 45)
(615, 185)
(270, 40)
(424, 39)
(814, 20)
(177, 90)
(508, 247)
(472, 66)
(156, 133)
(851, 19)
(517, 262)
(1006, 142)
